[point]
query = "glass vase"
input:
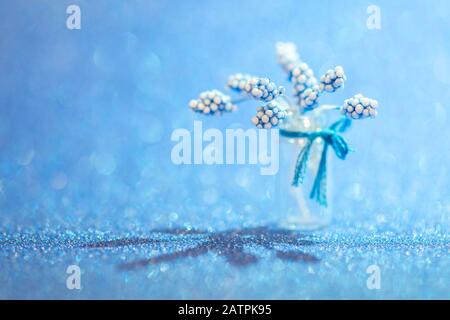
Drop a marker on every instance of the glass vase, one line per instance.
(297, 210)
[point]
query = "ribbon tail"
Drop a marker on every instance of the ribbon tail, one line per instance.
(319, 190)
(300, 165)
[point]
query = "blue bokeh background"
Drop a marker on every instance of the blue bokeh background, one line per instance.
(86, 115)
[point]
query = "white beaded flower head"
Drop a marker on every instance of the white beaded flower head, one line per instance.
(360, 107)
(238, 81)
(302, 77)
(212, 102)
(310, 98)
(333, 79)
(258, 88)
(287, 55)
(269, 116)
(263, 89)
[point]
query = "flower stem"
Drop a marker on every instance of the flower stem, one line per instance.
(238, 101)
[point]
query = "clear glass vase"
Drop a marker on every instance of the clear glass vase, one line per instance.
(297, 210)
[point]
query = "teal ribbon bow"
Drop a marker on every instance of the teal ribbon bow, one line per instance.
(331, 138)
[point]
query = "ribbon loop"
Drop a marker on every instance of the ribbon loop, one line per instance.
(339, 145)
(330, 138)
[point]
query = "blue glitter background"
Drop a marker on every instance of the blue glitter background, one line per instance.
(86, 176)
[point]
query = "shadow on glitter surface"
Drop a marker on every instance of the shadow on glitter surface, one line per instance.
(229, 244)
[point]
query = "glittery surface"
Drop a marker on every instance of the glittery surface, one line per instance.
(86, 176)
(239, 263)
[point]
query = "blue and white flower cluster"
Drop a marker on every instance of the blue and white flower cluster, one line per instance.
(333, 79)
(310, 98)
(360, 107)
(302, 77)
(258, 88)
(211, 102)
(263, 89)
(306, 87)
(269, 116)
